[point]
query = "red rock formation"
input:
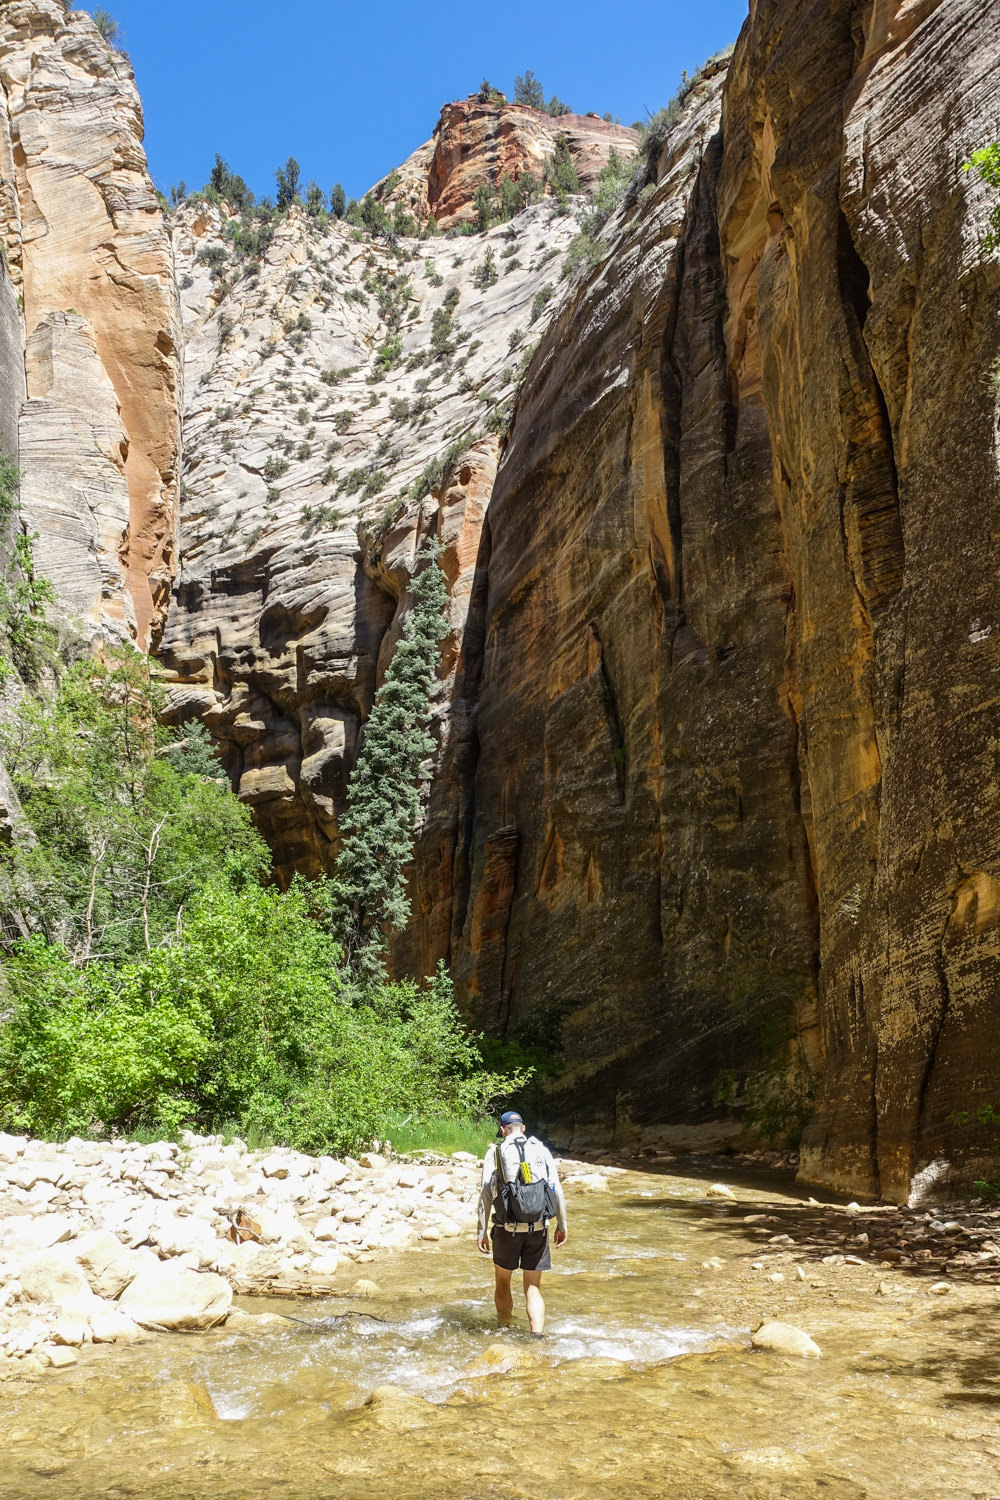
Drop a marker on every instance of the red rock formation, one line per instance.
(476, 142)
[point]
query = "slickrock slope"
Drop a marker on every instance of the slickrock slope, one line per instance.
(88, 252)
(281, 612)
(476, 141)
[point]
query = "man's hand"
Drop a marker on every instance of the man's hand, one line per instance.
(561, 1236)
(484, 1244)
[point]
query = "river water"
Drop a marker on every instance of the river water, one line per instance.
(644, 1386)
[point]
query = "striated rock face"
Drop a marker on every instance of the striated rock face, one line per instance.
(853, 235)
(715, 792)
(89, 254)
(736, 732)
(305, 440)
(476, 142)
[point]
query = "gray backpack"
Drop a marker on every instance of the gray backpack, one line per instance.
(523, 1199)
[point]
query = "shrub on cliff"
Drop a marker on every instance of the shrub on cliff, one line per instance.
(986, 163)
(27, 640)
(560, 170)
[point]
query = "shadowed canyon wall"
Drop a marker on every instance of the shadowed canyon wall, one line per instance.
(715, 789)
(737, 728)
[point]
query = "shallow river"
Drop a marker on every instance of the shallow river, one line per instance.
(644, 1386)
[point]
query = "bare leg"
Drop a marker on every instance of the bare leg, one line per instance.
(534, 1301)
(502, 1296)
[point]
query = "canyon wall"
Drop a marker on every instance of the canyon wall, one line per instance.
(713, 808)
(92, 375)
(736, 774)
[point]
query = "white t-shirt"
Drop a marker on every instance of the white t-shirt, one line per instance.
(538, 1157)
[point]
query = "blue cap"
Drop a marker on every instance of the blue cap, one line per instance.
(511, 1117)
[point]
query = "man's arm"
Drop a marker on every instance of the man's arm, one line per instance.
(487, 1192)
(557, 1188)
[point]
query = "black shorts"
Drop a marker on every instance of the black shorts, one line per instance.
(529, 1251)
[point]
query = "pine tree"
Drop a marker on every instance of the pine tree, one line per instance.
(383, 792)
(287, 178)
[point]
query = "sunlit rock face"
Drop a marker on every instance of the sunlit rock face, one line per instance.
(89, 256)
(304, 445)
(480, 141)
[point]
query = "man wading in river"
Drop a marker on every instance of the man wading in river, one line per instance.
(521, 1182)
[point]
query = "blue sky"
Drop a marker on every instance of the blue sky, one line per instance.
(350, 90)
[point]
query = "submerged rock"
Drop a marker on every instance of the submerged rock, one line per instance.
(785, 1338)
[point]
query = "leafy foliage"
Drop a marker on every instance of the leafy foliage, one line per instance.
(287, 181)
(986, 164)
(27, 640)
(163, 984)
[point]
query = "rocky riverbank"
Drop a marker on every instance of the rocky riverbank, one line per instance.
(111, 1241)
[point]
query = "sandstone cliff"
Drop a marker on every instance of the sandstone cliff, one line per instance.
(715, 793)
(317, 399)
(480, 141)
(98, 354)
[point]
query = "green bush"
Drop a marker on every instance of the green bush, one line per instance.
(986, 163)
(163, 983)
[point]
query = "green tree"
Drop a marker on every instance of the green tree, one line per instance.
(556, 107)
(315, 202)
(986, 163)
(528, 90)
(338, 201)
(484, 202)
(560, 169)
(126, 831)
(230, 186)
(287, 180)
(383, 792)
(27, 640)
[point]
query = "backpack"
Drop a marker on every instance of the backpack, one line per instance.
(524, 1199)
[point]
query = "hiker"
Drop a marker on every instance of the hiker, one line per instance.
(521, 1182)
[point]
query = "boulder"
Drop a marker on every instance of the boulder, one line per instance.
(54, 1276)
(11, 1146)
(189, 1236)
(326, 1229)
(372, 1160)
(176, 1298)
(58, 1356)
(275, 1166)
(109, 1325)
(41, 1232)
(105, 1262)
(363, 1288)
(71, 1331)
(323, 1267)
(720, 1190)
(784, 1338)
(395, 1408)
